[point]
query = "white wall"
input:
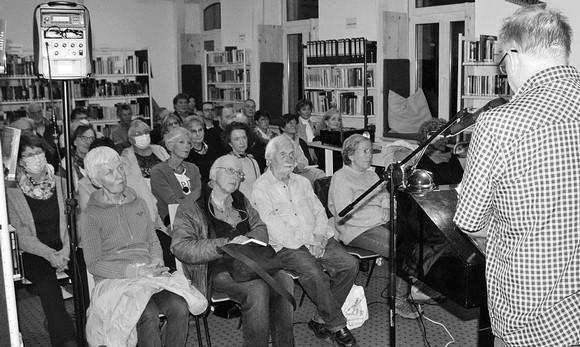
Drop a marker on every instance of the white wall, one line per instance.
(134, 24)
(334, 15)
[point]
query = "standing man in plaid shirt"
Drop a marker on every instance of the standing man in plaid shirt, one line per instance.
(521, 187)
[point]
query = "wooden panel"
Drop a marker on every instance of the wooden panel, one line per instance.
(191, 49)
(270, 43)
(396, 35)
(271, 89)
(191, 82)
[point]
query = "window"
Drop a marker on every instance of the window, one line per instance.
(301, 9)
(212, 17)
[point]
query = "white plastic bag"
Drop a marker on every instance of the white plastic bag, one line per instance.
(355, 307)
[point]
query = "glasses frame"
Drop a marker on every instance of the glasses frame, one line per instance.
(232, 171)
(86, 138)
(501, 66)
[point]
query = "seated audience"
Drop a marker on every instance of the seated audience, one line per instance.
(119, 132)
(174, 179)
(438, 157)
(226, 116)
(249, 109)
(209, 115)
(226, 216)
(170, 121)
(36, 210)
(86, 188)
(366, 225)
(191, 107)
(288, 128)
(332, 120)
(156, 133)
(307, 129)
(28, 127)
(180, 103)
(236, 137)
(201, 154)
(262, 129)
(122, 252)
(299, 232)
(79, 116)
(81, 140)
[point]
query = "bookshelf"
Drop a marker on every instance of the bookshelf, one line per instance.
(19, 86)
(227, 77)
(119, 76)
(480, 80)
(341, 73)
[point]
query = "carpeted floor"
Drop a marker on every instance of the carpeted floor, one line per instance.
(461, 323)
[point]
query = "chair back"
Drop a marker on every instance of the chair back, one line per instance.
(321, 188)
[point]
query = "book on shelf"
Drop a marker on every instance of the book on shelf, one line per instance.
(340, 51)
(16, 259)
(486, 85)
(487, 48)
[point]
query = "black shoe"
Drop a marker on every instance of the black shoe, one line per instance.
(344, 337)
(320, 331)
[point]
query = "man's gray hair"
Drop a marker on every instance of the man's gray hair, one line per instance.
(96, 158)
(219, 162)
(274, 145)
(544, 33)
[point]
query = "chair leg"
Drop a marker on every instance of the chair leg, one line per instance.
(206, 327)
(198, 330)
(373, 263)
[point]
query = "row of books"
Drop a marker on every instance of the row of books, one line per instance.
(348, 103)
(91, 87)
(19, 66)
(113, 65)
(227, 76)
(486, 85)
(228, 94)
(28, 90)
(341, 51)
(229, 56)
(97, 111)
(480, 51)
(338, 77)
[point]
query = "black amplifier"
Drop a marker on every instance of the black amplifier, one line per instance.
(337, 137)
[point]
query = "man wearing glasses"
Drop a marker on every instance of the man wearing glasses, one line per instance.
(520, 187)
(226, 216)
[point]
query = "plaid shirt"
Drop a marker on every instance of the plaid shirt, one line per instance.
(523, 180)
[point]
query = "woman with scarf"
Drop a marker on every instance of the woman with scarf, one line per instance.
(36, 211)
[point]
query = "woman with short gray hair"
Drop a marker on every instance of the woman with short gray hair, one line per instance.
(123, 254)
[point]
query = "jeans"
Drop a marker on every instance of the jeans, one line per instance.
(377, 239)
(175, 309)
(329, 289)
(60, 325)
(263, 309)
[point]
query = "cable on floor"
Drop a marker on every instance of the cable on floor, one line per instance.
(444, 327)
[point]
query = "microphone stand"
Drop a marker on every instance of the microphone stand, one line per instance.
(396, 175)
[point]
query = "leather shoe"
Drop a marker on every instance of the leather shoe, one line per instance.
(344, 337)
(319, 329)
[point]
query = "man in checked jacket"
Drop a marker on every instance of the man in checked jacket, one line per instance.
(521, 187)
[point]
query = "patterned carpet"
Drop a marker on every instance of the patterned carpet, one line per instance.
(461, 323)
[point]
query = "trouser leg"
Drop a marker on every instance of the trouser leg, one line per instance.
(176, 310)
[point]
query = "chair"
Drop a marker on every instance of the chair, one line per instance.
(321, 187)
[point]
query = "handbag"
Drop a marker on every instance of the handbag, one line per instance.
(252, 261)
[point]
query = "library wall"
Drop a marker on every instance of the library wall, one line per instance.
(116, 24)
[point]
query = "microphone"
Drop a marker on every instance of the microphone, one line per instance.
(466, 119)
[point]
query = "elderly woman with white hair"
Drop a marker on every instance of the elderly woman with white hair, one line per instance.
(174, 179)
(123, 254)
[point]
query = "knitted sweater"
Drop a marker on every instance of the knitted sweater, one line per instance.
(116, 238)
(348, 184)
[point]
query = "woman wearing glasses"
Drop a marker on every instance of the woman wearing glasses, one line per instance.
(81, 139)
(36, 211)
(174, 179)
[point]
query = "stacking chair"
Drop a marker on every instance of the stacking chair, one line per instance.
(321, 187)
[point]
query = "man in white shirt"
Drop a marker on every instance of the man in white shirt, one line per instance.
(299, 232)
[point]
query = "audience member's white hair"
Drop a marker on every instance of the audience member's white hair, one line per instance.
(96, 158)
(174, 134)
(274, 145)
(219, 162)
